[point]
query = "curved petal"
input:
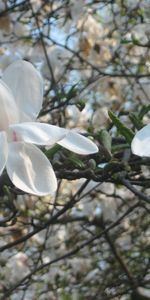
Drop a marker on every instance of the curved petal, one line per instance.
(141, 142)
(8, 108)
(38, 133)
(3, 151)
(27, 87)
(30, 170)
(77, 143)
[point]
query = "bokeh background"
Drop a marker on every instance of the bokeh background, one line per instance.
(91, 240)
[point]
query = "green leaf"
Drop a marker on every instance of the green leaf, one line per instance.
(75, 161)
(123, 130)
(125, 41)
(105, 139)
(119, 147)
(134, 117)
(51, 152)
(80, 104)
(145, 109)
(72, 92)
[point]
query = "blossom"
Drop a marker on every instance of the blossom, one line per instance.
(58, 57)
(21, 96)
(141, 142)
(17, 267)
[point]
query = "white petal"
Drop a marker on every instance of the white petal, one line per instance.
(141, 142)
(38, 133)
(77, 143)
(8, 108)
(3, 151)
(27, 87)
(30, 170)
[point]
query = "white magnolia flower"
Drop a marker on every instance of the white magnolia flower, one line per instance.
(17, 267)
(141, 142)
(58, 58)
(21, 96)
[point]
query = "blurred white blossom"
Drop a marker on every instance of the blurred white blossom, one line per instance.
(17, 267)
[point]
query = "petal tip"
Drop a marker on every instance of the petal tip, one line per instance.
(140, 144)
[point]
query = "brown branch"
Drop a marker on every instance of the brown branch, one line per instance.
(70, 253)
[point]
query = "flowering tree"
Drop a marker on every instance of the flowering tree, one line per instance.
(75, 148)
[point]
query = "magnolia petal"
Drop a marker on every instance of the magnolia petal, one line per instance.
(3, 151)
(27, 87)
(38, 133)
(77, 143)
(141, 142)
(30, 170)
(8, 108)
